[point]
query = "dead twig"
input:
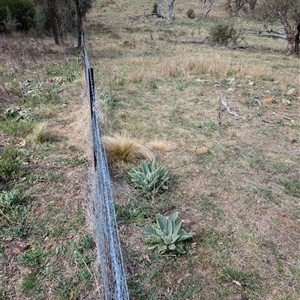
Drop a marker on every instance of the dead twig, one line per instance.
(7, 218)
(256, 100)
(228, 108)
(282, 116)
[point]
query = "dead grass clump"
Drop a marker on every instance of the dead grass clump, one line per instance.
(215, 66)
(256, 71)
(42, 134)
(125, 149)
(162, 146)
(168, 68)
(136, 76)
(128, 44)
(115, 35)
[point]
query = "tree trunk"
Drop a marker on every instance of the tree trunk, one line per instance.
(53, 19)
(159, 8)
(208, 9)
(79, 23)
(293, 43)
(292, 34)
(170, 11)
(251, 5)
(234, 6)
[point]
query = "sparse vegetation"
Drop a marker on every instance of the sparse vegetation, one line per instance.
(37, 197)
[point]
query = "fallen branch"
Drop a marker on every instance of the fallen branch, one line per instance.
(187, 42)
(273, 34)
(7, 218)
(144, 15)
(228, 108)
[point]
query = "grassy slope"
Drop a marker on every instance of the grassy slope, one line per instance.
(47, 249)
(242, 198)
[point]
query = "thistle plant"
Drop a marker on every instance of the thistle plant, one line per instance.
(149, 178)
(167, 235)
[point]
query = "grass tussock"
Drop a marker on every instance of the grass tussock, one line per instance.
(125, 149)
(162, 146)
(215, 66)
(42, 134)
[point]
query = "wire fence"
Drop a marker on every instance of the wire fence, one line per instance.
(107, 236)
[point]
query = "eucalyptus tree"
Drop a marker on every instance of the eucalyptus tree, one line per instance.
(206, 6)
(171, 4)
(288, 13)
(251, 4)
(64, 16)
(159, 8)
(234, 6)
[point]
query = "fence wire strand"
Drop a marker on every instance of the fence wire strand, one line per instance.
(107, 236)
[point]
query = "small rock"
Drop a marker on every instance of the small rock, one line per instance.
(291, 92)
(252, 83)
(232, 143)
(202, 150)
(268, 100)
(230, 80)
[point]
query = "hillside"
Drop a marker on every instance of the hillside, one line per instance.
(224, 122)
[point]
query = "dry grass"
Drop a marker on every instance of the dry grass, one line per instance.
(41, 133)
(125, 149)
(162, 146)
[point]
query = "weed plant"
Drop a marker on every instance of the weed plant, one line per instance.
(11, 164)
(167, 235)
(149, 179)
(38, 93)
(17, 121)
(13, 208)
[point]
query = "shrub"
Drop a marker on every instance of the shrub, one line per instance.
(167, 235)
(190, 13)
(19, 11)
(9, 200)
(154, 9)
(224, 34)
(149, 178)
(18, 113)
